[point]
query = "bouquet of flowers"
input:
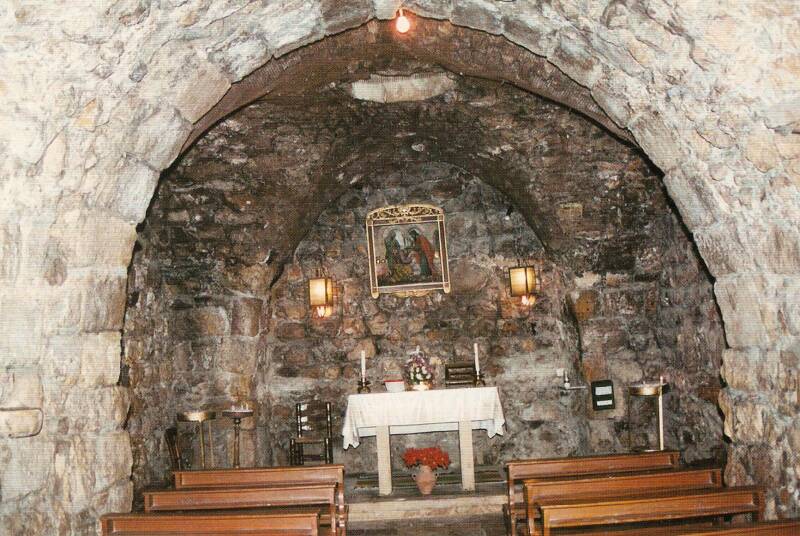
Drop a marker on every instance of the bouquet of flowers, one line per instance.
(418, 369)
(433, 457)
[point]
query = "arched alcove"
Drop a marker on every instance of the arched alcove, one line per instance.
(708, 92)
(280, 190)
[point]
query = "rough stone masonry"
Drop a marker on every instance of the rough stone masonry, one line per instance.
(99, 97)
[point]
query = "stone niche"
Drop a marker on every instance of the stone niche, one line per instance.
(217, 307)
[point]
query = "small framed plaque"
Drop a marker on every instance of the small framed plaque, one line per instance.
(602, 395)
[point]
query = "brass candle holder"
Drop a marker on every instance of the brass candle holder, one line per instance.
(479, 382)
(363, 386)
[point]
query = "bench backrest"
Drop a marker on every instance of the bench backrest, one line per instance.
(621, 484)
(226, 498)
(306, 524)
(258, 476)
(654, 507)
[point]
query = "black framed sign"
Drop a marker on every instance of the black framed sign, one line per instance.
(602, 395)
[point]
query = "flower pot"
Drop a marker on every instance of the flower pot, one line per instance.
(425, 479)
(423, 386)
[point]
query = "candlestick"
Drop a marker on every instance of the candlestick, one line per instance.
(363, 387)
(363, 366)
(477, 363)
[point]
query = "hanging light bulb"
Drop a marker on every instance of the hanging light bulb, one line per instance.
(402, 24)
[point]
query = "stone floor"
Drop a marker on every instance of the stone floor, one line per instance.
(483, 526)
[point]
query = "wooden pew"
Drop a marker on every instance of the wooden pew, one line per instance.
(519, 470)
(258, 477)
(255, 524)
(590, 487)
(650, 507)
(243, 498)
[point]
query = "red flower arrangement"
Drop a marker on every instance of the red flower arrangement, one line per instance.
(433, 457)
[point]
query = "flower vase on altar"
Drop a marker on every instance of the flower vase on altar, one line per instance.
(418, 371)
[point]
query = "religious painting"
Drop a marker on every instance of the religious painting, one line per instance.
(407, 250)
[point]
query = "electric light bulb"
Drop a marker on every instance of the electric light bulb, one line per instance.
(402, 24)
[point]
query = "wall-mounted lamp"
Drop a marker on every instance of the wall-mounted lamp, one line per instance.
(402, 24)
(320, 296)
(523, 284)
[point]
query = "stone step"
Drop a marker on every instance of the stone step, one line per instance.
(384, 509)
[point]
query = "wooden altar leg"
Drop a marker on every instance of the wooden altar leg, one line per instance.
(384, 460)
(467, 456)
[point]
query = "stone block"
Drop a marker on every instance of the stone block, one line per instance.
(93, 239)
(20, 388)
(28, 468)
(290, 330)
(210, 321)
(757, 308)
(478, 14)
(337, 19)
(15, 423)
(238, 355)
(364, 345)
(112, 459)
(103, 299)
(246, 317)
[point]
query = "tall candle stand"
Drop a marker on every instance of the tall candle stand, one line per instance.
(237, 414)
(363, 386)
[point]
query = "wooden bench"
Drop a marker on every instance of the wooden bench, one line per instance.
(589, 487)
(252, 524)
(243, 498)
(519, 470)
(260, 477)
(652, 507)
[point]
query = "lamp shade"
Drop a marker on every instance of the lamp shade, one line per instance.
(320, 295)
(522, 281)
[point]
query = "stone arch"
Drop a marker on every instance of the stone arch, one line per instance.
(716, 114)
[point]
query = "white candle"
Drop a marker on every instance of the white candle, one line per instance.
(477, 363)
(363, 366)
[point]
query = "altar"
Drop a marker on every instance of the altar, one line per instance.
(411, 412)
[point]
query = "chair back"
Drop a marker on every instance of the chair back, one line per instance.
(171, 439)
(314, 419)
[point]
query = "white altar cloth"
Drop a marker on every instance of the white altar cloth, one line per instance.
(410, 412)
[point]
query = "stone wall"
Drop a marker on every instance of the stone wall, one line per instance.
(521, 348)
(101, 98)
(227, 220)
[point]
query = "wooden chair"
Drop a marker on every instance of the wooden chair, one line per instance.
(256, 477)
(519, 470)
(583, 487)
(459, 374)
(667, 506)
(221, 524)
(313, 426)
(171, 439)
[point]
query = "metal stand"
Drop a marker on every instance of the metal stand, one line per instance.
(363, 386)
(200, 417)
(479, 380)
(652, 390)
(237, 415)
